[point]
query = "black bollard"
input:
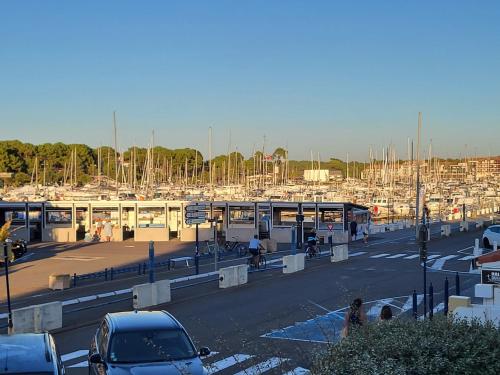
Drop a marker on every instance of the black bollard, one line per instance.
(446, 296)
(457, 284)
(415, 312)
(197, 263)
(139, 269)
(144, 268)
(105, 274)
(111, 272)
(74, 280)
(431, 301)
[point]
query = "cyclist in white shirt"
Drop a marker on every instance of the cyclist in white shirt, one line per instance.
(254, 248)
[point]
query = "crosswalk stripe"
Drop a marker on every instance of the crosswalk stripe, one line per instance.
(357, 254)
(439, 263)
(379, 255)
(80, 365)
(298, 371)
(227, 362)
(73, 355)
(412, 256)
(430, 257)
(210, 355)
(396, 256)
(263, 366)
(468, 257)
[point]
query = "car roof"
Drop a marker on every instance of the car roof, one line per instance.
(141, 320)
(15, 349)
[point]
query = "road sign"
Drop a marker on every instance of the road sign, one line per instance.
(195, 221)
(330, 227)
(198, 207)
(195, 215)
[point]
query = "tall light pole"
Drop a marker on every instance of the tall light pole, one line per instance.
(6, 265)
(417, 203)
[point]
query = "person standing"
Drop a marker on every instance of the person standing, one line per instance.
(354, 229)
(386, 313)
(98, 226)
(108, 230)
(354, 317)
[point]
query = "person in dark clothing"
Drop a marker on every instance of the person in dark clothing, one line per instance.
(354, 229)
(354, 317)
(386, 313)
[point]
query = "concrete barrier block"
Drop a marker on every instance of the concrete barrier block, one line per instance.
(479, 223)
(294, 263)
(59, 281)
(483, 290)
(151, 294)
(457, 301)
(233, 276)
(445, 230)
(464, 226)
(340, 253)
(37, 318)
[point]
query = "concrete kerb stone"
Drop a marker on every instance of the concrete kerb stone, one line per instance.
(151, 294)
(233, 276)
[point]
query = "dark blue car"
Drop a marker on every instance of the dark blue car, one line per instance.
(143, 342)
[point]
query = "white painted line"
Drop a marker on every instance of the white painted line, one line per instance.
(430, 257)
(298, 371)
(409, 302)
(439, 263)
(194, 277)
(438, 308)
(70, 302)
(123, 291)
(80, 365)
(86, 298)
(412, 256)
(263, 366)
(226, 362)
(210, 355)
(357, 254)
(73, 355)
(24, 257)
(104, 295)
(469, 257)
(4, 316)
(379, 255)
(397, 256)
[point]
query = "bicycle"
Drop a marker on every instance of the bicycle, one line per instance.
(262, 262)
(210, 248)
(313, 251)
(240, 248)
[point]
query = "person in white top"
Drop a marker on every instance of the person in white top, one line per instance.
(254, 248)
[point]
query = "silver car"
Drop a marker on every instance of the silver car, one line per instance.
(143, 342)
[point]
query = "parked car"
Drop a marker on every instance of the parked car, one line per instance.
(143, 342)
(16, 249)
(29, 353)
(490, 235)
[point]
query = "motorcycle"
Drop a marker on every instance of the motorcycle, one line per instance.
(15, 249)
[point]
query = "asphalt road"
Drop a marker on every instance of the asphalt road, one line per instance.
(279, 322)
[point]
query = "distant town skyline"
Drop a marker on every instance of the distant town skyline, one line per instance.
(332, 78)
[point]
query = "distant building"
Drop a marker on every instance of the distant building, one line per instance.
(316, 175)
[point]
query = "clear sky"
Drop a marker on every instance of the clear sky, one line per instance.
(328, 76)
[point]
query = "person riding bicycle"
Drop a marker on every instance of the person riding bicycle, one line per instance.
(254, 247)
(312, 239)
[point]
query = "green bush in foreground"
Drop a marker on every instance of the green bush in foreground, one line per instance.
(438, 346)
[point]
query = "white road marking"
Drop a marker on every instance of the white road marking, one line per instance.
(375, 309)
(430, 257)
(263, 366)
(469, 257)
(80, 365)
(412, 256)
(298, 371)
(379, 255)
(357, 254)
(210, 355)
(397, 256)
(79, 259)
(439, 263)
(227, 362)
(73, 355)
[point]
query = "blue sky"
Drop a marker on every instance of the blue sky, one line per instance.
(328, 76)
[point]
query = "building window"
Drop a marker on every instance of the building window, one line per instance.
(332, 216)
(17, 217)
(59, 216)
(151, 217)
(241, 215)
(309, 218)
(105, 214)
(284, 216)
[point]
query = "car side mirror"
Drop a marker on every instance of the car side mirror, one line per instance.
(204, 352)
(95, 358)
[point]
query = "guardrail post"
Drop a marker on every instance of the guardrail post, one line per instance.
(446, 296)
(105, 274)
(457, 284)
(431, 301)
(144, 268)
(414, 304)
(111, 273)
(197, 263)
(74, 280)
(151, 262)
(294, 236)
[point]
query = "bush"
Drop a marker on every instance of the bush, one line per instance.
(438, 346)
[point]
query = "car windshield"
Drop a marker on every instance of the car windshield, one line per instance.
(150, 346)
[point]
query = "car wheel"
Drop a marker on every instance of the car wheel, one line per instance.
(486, 242)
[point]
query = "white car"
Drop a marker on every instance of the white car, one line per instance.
(490, 235)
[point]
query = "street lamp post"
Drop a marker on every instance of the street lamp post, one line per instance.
(422, 236)
(6, 265)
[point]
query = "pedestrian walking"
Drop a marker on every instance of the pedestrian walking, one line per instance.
(98, 227)
(354, 229)
(365, 233)
(354, 317)
(108, 230)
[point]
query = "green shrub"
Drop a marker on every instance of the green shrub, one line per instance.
(438, 346)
